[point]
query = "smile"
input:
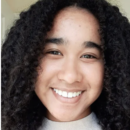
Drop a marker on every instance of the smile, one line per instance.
(67, 94)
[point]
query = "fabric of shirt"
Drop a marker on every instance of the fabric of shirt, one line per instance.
(89, 122)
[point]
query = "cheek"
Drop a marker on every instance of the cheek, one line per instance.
(48, 68)
(46, 73)
(93, 81)
(94, 74)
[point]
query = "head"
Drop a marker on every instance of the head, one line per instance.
(72, 63)
(66, 60)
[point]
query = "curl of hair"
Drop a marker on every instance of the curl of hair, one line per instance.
(22, 51)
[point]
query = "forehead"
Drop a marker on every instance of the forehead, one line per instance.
(73, 22)
(73, 12)
(75, 15)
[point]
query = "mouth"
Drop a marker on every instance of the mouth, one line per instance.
(66, 96)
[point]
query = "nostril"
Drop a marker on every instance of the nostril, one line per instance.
(69, 77)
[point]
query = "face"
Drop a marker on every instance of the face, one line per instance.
(71, 71)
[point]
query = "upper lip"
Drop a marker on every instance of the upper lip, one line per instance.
(68, 90)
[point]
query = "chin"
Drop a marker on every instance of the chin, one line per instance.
(62, 117)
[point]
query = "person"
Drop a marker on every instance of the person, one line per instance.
(66, 65)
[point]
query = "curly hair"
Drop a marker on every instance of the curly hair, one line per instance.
(23, 50)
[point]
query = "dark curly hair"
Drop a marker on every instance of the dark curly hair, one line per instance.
(23, 50)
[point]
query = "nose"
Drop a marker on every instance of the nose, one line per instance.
(70, 73)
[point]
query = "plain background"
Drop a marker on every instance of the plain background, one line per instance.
(11, 9)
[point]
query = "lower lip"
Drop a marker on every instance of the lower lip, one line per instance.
(67, 100)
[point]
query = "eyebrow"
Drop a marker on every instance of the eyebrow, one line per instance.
(90, 44)
(57, 41)
(86, 44)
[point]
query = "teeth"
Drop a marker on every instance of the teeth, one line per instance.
(59, 92)
(74, 94)
(64, 94)
(68, 95)
(56, 91)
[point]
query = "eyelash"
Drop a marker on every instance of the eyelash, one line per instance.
(88, 56)
(54, 52)
(84, 56)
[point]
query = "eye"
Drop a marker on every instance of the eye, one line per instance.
(54, 52)
(88, 56)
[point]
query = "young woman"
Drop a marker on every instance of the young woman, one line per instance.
(66, 65)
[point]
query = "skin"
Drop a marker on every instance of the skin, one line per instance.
(69, 65)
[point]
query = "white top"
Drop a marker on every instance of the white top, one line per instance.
(89, 122)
